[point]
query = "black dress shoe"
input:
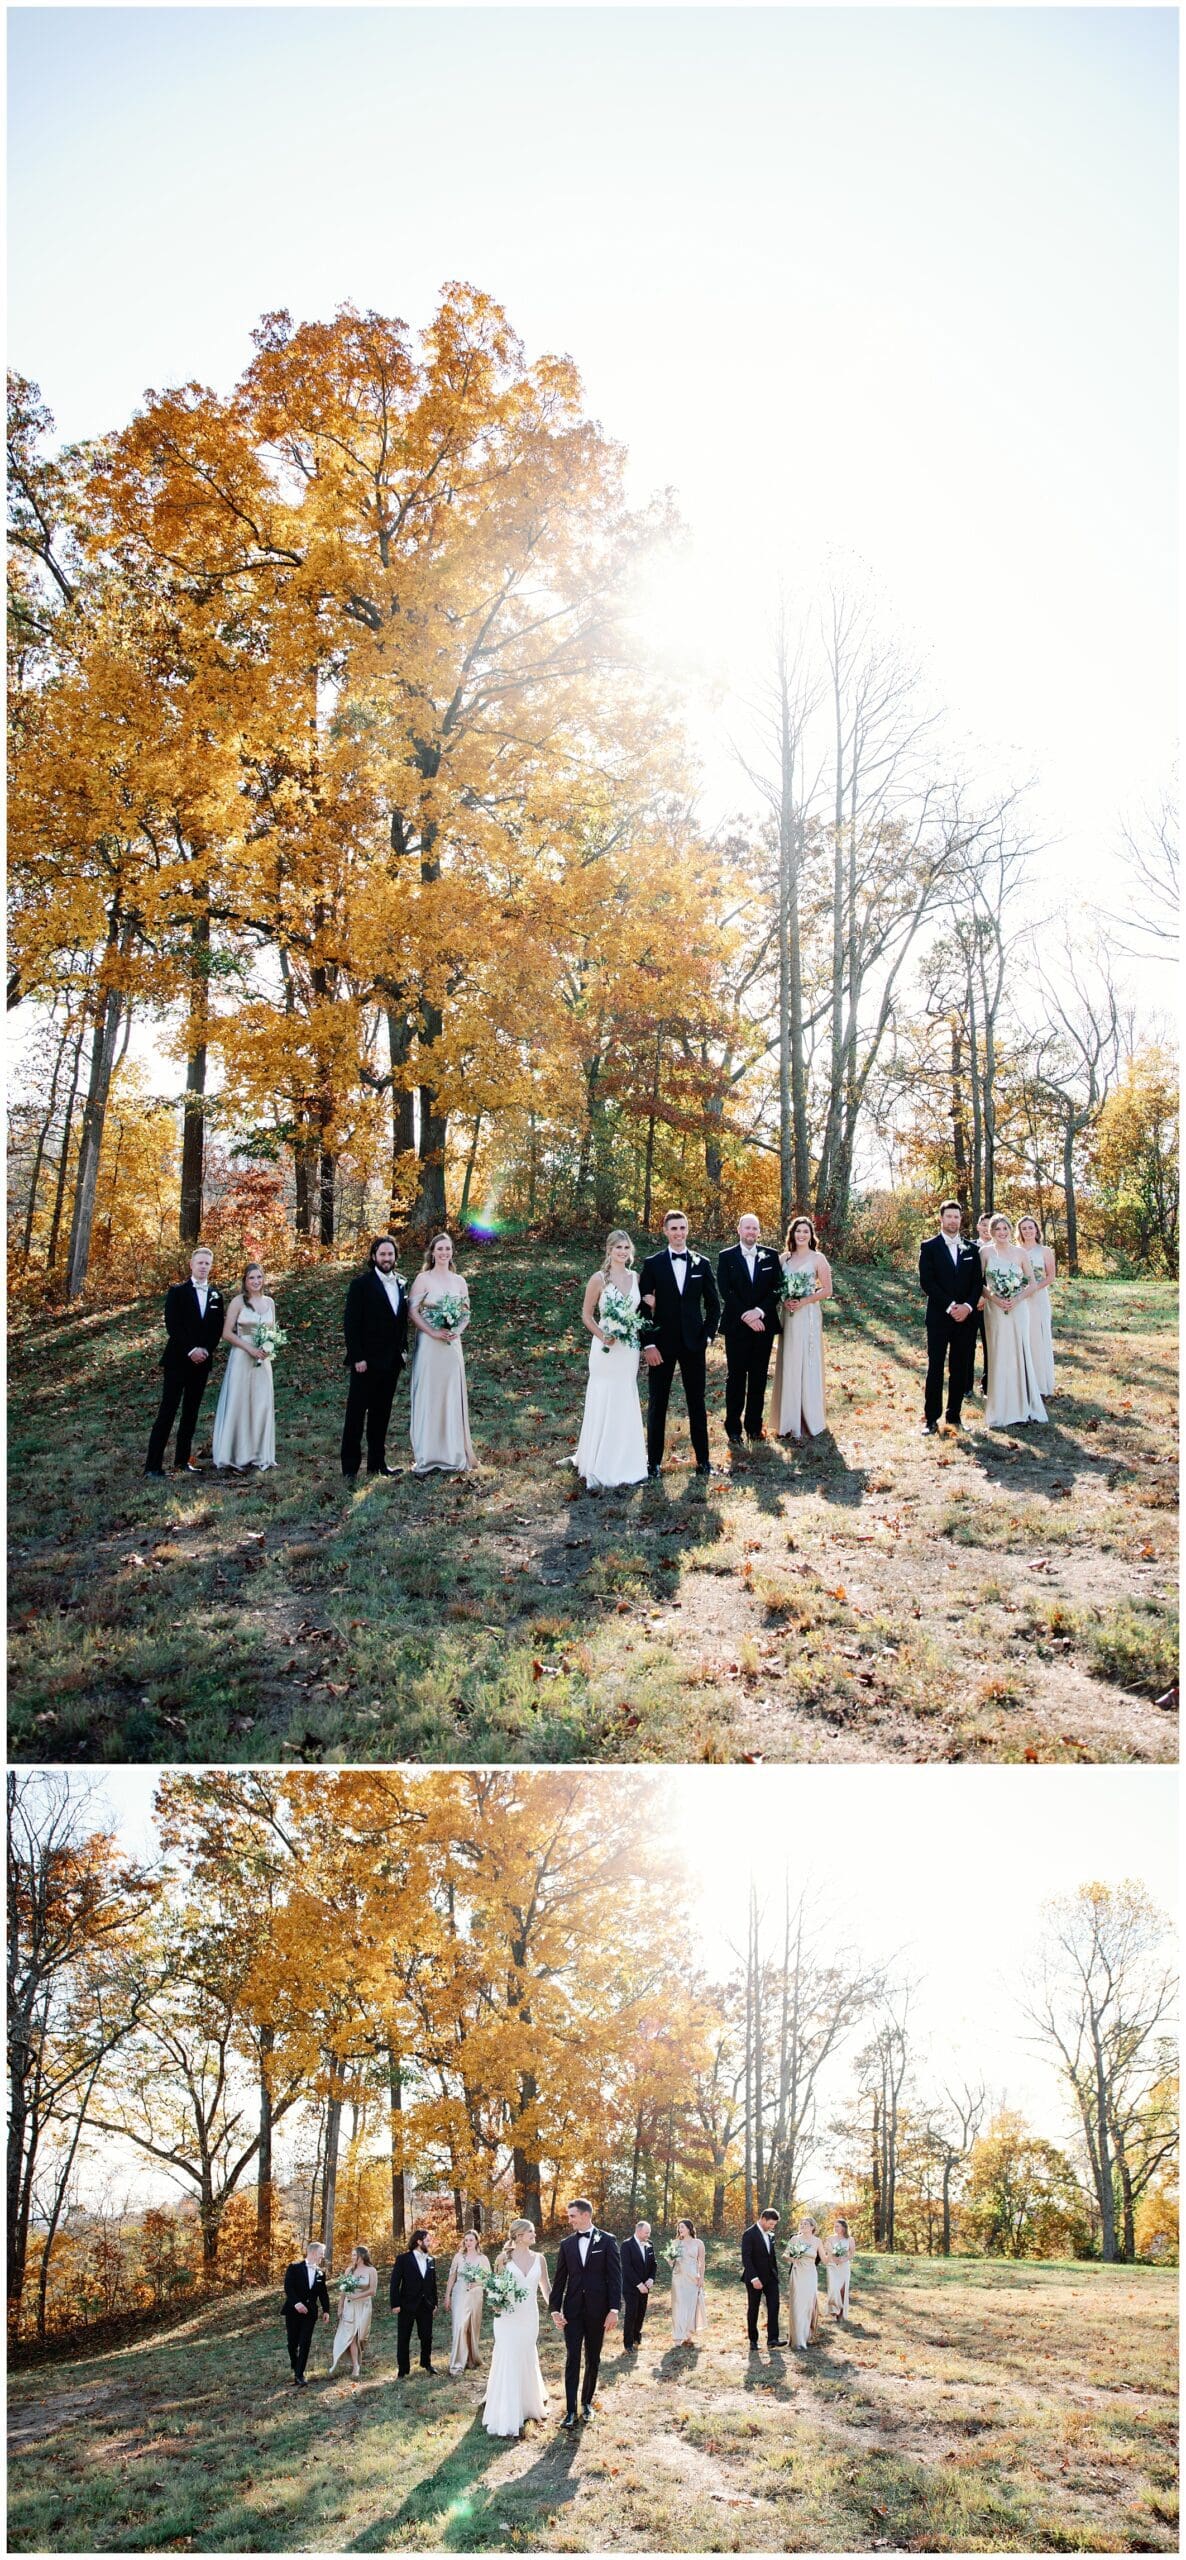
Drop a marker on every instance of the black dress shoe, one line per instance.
(349, 1475)
(587, 2409)
(155, 1471)
(191, 1468)
(928, 1431)
(384, 1471)
(654, 1471)
(569, 2419)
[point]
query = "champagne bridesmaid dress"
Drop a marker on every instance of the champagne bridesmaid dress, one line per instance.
(439, 1403)
(245, 1417)
(1039, 1312)
(687, 2293)
(798, 1400)
(805, 2296)
(466, 2306)
(1012, 1383)
(839, 2275)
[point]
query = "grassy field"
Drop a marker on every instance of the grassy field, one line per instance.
(965, 2407)
(1004, 1596)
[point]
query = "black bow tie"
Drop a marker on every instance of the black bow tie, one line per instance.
(678, 1257)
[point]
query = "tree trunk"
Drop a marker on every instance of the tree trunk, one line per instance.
(55, 1224)
(948, 2166)
(193, 1127)
(1068, 1185)
(329, 2182)
(39, 1150)
(263, 2187)
(395, 2085)
(959, 1132)
(403, 1109)
(104, 1037)
(470, 1162)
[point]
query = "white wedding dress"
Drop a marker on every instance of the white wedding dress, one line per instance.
(515, 2391)
(612, 1448)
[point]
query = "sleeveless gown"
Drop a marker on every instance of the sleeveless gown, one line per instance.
(804, 2299)
(839, 2275)
(467, 2305)
(687, 2296)
(354, 2321)
(1039, 1312)
(798, 1402)
(245, 1416)
(515, 2390)
(439, 1403)
(1012, 1382)
(612, 1447)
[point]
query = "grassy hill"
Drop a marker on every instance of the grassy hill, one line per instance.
(965, 2407)
(876, 1596)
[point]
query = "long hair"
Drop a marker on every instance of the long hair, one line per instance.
(433, 1242)
(1029, 1220)
(361, 2251)
(802, 1220)
(251, 1266)
(688, 2224)
(617, 1235)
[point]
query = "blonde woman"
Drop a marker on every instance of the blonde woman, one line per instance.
(798, 1402)
(687, 2285)
(356, 2301)
(1040, 1258)
(245, 1419)
(439, 1404)
(515, 2391)
(612, 1448)
(1008, 1286)
(838, 2266)
(805, 2256)
(465, 2298)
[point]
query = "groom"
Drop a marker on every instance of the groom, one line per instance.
(749, 1277)
(586, 2298)
(952, 1282)
(681, 1314)
(194, 1315)
(759, 2266)
(376, 1327)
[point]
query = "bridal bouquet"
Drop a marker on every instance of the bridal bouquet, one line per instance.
(671, 2254)
(1003, 1280)
(620, 1320)
(443, 1314)
(469, 2272)
(504, 2290)
(799, 2249)
(352, 2284)
(842, 2248)
(796, 1285)
(269, 1339)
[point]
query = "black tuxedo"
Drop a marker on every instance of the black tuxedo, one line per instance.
(413, 2300)
(638, 2266)
(681, 1326)
(949, 1282)
(586, 2295)
(301, 2325)
(186, 1380)
(378, 1334)
(747, 1353)
(762, 2262)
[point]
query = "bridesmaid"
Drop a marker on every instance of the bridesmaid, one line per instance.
(245, 1418)
(838, 2266)
(805, 2285)
(466, 2300)
(354, 2312)
(687, 2285)
(1041, 1262)
(798, 1406)
(1012, 1384)
(440, 1407)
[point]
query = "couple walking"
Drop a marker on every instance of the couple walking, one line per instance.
(759, 2267)
(672, 1309)
(585, 2299)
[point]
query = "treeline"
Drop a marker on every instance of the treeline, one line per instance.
(467, 1984)
(336, 769)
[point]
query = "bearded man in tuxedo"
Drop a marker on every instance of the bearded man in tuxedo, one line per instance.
(414, 2300)
(681, 1313)
(376, 1327)
(194, 1316)
(586, 2298)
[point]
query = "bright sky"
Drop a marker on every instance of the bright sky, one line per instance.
(893, 284)
(944, 1871)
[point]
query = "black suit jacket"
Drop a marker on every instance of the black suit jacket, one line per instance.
(757, 2259)
(739, 1293)
(409, 2289)
(187, 1328)
(945, 1282)
(373, 1332)
(639, 2265)
(297, 2288)
(595, 2287)
(683, 1319)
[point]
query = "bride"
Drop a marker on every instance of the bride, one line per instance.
(612, 1449)
(515, 2391)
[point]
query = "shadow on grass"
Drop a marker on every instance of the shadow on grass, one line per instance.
(463, 2510)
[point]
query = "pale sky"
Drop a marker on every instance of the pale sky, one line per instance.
(893, 285)
(944, 1871)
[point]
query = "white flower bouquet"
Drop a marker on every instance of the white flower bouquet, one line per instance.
(269, 1338)
(621, 1320)
(1004, 1280)
(443, 1314)
(799, 2249)
(796, 1285)
(352, 2284)
(842, 2248)
(469, 2272)
(672, 2256)
(504, 2290)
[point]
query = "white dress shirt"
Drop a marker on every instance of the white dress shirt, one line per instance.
(583, 2239)
(201, 1290)
(390, 1280)
(680, 1270)
(421, 2261)
(751, 1254)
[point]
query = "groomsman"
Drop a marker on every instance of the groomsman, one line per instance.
(306, 2301)
(376, 1328)
(952, 1282)
(681, 1312)
(639, 2273)
(414, 2300)
(759, 2265)
(586, 2298)
(749, 1277)
(194, 1315)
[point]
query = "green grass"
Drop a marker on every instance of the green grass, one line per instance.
(875, 1596)
(965, 2407)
